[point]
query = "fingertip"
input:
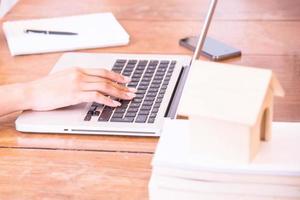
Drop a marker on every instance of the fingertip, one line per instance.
(130, 95)
(116, 103)
(126, 79)
(131, 89)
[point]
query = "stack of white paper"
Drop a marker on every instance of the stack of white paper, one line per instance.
(179, 174)
(94, 31)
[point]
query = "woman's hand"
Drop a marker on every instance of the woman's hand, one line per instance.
(77, 85)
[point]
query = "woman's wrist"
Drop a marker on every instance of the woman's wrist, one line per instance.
(15, 97)
(23, 93)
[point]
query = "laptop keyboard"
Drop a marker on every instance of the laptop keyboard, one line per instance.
(151, 78)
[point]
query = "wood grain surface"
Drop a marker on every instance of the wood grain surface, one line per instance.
(54, 166)
(51, 174)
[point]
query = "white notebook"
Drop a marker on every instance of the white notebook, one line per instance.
(94, 31)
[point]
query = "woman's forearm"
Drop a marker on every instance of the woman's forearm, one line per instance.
(13, 97)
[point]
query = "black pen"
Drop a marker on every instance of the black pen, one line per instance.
(49, 32)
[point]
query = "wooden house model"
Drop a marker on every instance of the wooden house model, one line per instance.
(230, 109)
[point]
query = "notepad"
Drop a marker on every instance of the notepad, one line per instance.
(94, 31)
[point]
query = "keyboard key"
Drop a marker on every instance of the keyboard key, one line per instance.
(160, 96)
(145, 107)
(139, 96)
(88, 118)
(151, 67)
(129, 67)
(138, 71)
(162, 91)
(156, 105)
(141, 91)
(167, 78)
(151, 94)
(154, 110)
(171, 69)
(141, 118)
(142, 87)
(150, 71)
(124, 102)
(118, 66)
(120, 110)
(118, 115)
(96, 104)
(161, 72)
(137, 100)
(124, 106)
(149, 98)
(156, 81)
(135, 79)
(147, 103)
(153, 62)
(144, 112)
(130, 114)
(96, 113)
(151, 120)
(165, 83)
(153, 90)
(121, 61)
(143, 62)
(152, 115)
(132, 84)
(165, 62)
(144, 84)
(125, 119)
(106, 113)
(158, 100)
(140, 67)
(93, 108)
(164, 87)
(169, 74)
(132, 62)
(155, 85)
(90, 112)
(135, 105)
(157, 77)
(132, 109)
(126, 73)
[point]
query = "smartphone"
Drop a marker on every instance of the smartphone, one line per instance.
(212, 49)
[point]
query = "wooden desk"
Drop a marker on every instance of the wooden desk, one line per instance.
(52, 166)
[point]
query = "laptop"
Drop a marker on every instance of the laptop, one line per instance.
(159, 80)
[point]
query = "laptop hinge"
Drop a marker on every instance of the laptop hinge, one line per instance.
(176, 95)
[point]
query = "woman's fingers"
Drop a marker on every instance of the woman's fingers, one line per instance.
(99, 98)
(109, 88)
(105, 74)
(96, 80)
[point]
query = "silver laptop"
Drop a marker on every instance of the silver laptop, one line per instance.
(159, 80)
